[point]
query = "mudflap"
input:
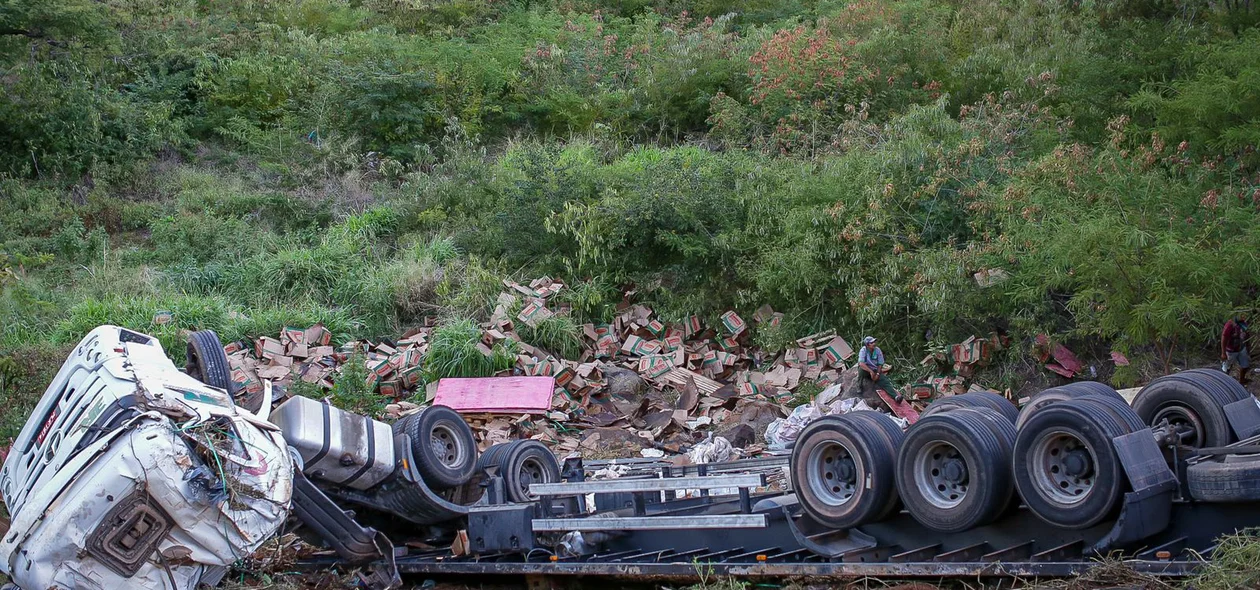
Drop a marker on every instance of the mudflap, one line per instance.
(352, 542)
(1148, 508)
(831, 543)
(1244, 417)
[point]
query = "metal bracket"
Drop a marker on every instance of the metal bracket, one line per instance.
(501, 529)
(1244, 417)
(829, 543)
(351, 541)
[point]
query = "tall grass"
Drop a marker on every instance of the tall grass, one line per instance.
(559, 334)
(453, 352)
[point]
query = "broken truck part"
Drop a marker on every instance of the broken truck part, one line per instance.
(960, 493)
(131, 474)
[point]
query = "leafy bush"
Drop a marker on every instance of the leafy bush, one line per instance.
(1217, 109)
(354, 388)
(59, 117)
(1166, 262)
(378, 164)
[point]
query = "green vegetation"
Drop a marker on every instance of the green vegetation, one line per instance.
(249, 164)
(1235, 564)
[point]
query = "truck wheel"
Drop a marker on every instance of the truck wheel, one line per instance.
(206, 362)
(843, 469)
(1066, 468)
(974, 399)
(443, 446)
(954, 469)
(491, 456)
(1193, 402)
(1228, 387)
(1236, 479)
(1061, 393)
(521, 463)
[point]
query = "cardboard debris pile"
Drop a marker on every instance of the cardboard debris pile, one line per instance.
(956, 364)
(667, 355)
(307, 354)
(639, 381)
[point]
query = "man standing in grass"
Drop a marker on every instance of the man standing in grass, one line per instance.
(1234, 346)
(871, 359)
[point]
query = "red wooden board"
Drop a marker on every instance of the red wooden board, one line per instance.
(902, 409)
(496, 395)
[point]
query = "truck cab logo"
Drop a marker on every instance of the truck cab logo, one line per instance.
(43, 431)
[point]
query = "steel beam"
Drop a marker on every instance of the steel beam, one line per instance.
(613, 486)
(651, 523)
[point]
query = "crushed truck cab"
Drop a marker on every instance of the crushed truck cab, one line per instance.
(130, 474)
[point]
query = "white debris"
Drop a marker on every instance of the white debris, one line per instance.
(714, 450)
(829, 395)
(698, 422)
(783, 431)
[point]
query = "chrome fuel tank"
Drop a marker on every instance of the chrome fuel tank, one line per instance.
(337, 446)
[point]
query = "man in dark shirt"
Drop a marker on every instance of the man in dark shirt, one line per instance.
(1235, 340)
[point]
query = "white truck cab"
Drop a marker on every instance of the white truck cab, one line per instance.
(124, 461)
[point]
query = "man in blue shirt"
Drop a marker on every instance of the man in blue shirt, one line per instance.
(871, 360)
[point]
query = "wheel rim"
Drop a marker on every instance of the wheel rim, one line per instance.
(446, 446)
(531, 471)
(1064, 467)
(834, 472)
(1182, 419)
(941, 475)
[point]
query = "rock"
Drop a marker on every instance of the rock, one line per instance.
(758, 414)
(852, 385)
(624, 383)
(740, 435)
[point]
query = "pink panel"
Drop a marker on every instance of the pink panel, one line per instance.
(503, 395)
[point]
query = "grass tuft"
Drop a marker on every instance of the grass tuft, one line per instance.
(1235, 564)
(453, 352)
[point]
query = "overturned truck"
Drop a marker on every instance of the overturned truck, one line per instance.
(134, 474)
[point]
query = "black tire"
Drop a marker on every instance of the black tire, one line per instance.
(442, 445)
(1228, 389)
(1004, 431)
(1236, 479)
(1066, 469)
(954, 469)
(1063, 393)
(1195, 398)
(974, 399)
(894, 435)
(843, 469)
(206, 362)
(521, 463)
(1121, 411)
(490, 456)
(1097, 388)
